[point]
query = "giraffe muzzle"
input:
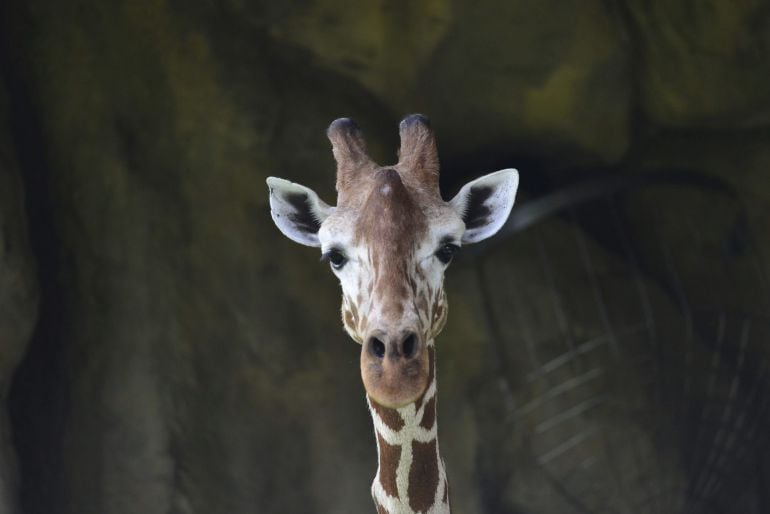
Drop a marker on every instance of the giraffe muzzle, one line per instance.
(394, 367)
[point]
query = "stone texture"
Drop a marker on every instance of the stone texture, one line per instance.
(614, 362)
(526, 73)
(703, 64)
(518, 73)
(383, 45)
(567, 411)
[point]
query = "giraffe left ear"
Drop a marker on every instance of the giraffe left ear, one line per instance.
(297, 211)
(485, 203)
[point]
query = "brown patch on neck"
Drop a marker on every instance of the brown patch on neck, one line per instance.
(390, 417)
(390, 455)
(423, 476)
(429, 415)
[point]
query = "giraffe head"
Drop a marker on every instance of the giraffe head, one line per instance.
(389, 240)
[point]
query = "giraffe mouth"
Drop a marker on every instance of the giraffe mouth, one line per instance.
(395, 371)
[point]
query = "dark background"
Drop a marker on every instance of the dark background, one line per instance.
(163, 349)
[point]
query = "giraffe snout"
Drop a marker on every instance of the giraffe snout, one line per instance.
(394, 367)
(405, 344)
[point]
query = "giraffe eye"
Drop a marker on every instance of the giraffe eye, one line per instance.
(335, 257)
(446, 252)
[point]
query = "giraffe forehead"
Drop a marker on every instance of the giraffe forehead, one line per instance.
(390, 220)
(387, 214)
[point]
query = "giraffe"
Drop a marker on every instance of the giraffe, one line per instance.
(389, 240)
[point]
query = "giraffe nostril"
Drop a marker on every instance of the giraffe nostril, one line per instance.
(409, 345)
(377, 347)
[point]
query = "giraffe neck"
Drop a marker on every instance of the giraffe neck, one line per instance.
(411, 478)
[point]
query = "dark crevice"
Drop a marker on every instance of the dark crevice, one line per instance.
(36, 400)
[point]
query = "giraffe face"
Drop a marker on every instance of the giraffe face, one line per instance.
(390, 252)
(389, 241)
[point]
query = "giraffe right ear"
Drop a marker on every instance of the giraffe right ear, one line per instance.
(297, 211)
(485, 204)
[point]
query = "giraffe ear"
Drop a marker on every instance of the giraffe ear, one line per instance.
(485, 203)
(297, 210)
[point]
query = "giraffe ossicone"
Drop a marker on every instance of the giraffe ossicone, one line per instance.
(389, 240)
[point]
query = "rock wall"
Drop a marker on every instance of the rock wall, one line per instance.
(189, 359)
